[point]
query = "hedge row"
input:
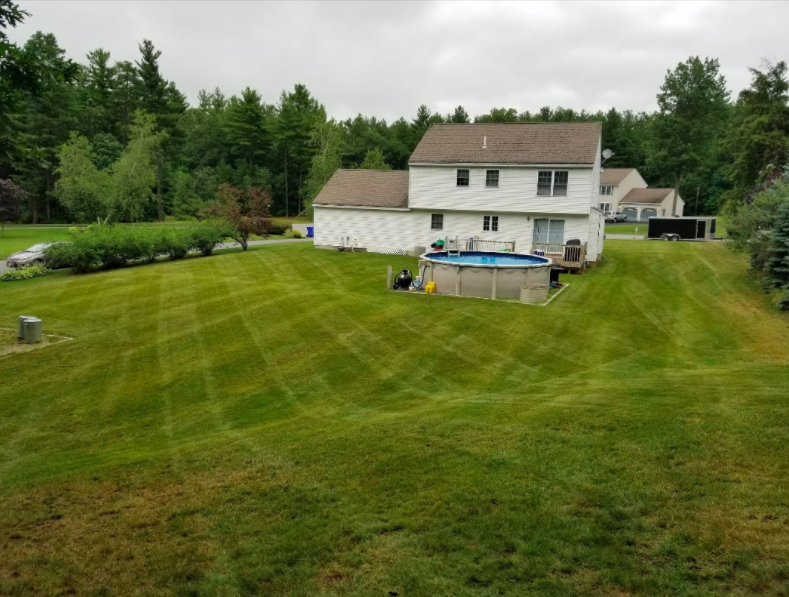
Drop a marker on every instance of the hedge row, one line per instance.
(116, 246)
(31, 271)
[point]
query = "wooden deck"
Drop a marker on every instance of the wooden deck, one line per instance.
(566, 256)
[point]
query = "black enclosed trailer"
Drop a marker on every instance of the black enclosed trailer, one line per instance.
(690, 228)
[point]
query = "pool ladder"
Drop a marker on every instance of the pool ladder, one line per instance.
(453, 246)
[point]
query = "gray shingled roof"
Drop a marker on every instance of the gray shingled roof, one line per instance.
(614, 175)
(509, 143)
(366, 188)
(646, 196)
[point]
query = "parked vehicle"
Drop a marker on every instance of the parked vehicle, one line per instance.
(35, 255)
(609, 216)
(620, 217)
(670, 236)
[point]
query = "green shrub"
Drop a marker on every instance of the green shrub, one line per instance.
(279, 229)
(206, 236)
(296, 234)
(32, 271)
(117, 246)
(177, 242)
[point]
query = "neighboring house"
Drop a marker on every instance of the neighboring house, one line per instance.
(532, 183)
(615, 183)
(623, 189)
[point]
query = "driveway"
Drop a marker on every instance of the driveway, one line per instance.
(265, 242)
(625, 237)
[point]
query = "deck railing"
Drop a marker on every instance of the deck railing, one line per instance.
(572, 256)
(480, 244)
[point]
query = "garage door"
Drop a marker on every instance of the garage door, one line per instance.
(630, 213)
(647, 213)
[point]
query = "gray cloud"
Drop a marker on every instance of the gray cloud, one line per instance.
(385, 59)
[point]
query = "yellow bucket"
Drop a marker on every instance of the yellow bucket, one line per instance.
(430, 287)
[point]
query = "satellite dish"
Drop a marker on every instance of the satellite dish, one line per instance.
(607, 153)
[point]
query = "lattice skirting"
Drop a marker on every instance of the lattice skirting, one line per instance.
(384, 250)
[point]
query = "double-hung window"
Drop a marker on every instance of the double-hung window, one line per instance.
(552, 183)
(492, 178)
(436, 221)
(490, 223)
(607, 189)
(462, 178)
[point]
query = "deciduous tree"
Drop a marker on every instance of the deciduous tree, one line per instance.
(374, 160)
(82, 188)
(244, 211)
(11, 199)
(693, 109)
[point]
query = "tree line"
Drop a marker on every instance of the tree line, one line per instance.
(118, 140)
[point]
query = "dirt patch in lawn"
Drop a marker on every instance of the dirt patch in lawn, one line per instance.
(11, 345)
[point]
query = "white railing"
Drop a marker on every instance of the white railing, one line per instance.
(479, 244)
(561, 254)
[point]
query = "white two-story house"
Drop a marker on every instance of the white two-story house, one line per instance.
(531, 183)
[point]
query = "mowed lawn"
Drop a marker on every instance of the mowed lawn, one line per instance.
(277, 423)
(17, 239)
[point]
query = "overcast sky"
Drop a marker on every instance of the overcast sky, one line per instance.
(385, 59)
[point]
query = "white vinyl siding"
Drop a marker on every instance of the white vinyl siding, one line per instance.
(435, 188)
(406, 229)
(490, 223)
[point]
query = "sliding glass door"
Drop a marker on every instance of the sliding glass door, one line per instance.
(548, 231)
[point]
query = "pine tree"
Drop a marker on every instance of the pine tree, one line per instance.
(245, 127)
(777, 265)
(125, 98)
(297, 115)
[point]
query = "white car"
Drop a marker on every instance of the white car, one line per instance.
(35, 255)
(619, 217)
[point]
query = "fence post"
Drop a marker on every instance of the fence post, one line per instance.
(388, 277)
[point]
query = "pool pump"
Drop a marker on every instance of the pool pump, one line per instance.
(403, 280)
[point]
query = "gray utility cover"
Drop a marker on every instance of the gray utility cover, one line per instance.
(21, 333)
(31, 327)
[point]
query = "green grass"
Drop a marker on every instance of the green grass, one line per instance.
(626, 228)
(642, 228)
(277, 423)
(18, 238)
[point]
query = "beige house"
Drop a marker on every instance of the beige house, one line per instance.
(623, 189)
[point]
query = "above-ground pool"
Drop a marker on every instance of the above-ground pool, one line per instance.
(487, 275)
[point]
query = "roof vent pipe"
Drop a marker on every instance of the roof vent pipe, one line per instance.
(485, 142)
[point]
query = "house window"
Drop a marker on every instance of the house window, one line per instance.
(492, 178)
(560, 178)
(463, 178)
(436, 221)
(552, 182)
(605, 207)
(544, 179)
(490, 223)
(607, 189)
(548, 231)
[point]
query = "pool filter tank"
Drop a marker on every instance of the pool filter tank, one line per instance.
(403, 280)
